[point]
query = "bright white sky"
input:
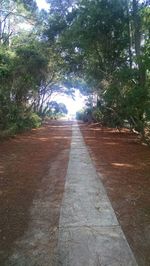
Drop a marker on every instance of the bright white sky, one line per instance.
(72, 105)
(42, 4)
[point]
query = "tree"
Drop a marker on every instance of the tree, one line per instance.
(107, 44)
(12, 15)
(101, 47)
(30, 70)
(21, 73)
(55, 109)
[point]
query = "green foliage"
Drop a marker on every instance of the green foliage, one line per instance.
(80, 115)
(19, 122)
(100, 47)
(21, 71)
(97, 115)
(31, 120)
(101, 42)
(30, 70)
(55, 109)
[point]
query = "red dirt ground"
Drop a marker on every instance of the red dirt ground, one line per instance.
(24, 160)
(123, 162)
(124, 167)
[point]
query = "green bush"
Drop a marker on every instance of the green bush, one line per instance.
(28, 121)
(35, 120)
(20, 122)
(11, 131)
(97, 115)
(80, 115)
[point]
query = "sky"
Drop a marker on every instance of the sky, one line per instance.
(72, 105)
(42, 4)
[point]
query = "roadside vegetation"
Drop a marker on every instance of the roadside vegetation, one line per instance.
(31, 70)
(113, 41)
(100, 47)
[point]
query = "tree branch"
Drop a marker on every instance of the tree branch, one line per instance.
(16, 14)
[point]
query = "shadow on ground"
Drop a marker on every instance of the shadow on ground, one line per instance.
(24, 161)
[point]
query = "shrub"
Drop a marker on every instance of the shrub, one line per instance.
(97, 115)
(28, 121)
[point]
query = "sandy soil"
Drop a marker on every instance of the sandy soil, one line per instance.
(124, 165)
(24, 161)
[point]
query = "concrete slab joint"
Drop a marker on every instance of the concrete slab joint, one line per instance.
(89, 233)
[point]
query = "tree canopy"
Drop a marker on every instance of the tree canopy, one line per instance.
(101, 47)
(106, 43)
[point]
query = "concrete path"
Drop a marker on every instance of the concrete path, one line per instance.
(89, 233)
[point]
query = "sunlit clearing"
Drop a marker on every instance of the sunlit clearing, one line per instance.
(73, 105)
(42, 4)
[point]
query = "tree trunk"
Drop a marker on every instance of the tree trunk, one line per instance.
(137, 40)
(0, 23)
(129, 35)
(137, 27)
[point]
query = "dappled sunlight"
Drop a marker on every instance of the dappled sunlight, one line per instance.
(100, 138)
(122, 165)
(53, 137)
(118, 150)
(53, 127)
(43, 139)
(111, 143)
(110, 136)
(38, 129)
(49, 132)
(35, 139)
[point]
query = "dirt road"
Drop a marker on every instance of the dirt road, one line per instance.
(124, 166)
(24, 163)
(32, 175)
